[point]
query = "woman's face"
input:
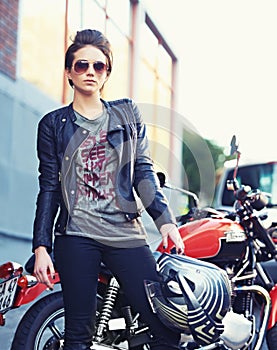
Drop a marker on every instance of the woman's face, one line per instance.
(89, 70)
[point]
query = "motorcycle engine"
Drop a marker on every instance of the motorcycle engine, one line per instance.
(237, 330)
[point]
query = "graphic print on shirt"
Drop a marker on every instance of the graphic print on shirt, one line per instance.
(95, 178)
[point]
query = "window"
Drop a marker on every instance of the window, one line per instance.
(42, 41)
(41, 44)
(117, 85)
(258, 176)
(155, 69)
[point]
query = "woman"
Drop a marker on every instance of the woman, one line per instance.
(94, 163)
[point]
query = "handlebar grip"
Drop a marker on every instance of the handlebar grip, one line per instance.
(242, 192)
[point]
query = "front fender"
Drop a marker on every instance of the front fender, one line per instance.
(273, 314)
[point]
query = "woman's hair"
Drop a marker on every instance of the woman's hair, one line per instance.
(89, 37)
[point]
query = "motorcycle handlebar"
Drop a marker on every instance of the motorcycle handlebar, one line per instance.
(242, 192)
(186, 192)
(255, 199)
(258, 199)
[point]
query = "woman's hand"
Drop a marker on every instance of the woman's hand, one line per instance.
(43, 265)
(171, 231)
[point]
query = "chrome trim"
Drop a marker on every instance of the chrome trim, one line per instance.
(263, 292)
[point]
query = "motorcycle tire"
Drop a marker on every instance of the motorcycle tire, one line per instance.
(271, 338)
(42, 326)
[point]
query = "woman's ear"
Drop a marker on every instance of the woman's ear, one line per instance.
(67, 73)
(106, 79)
(107, 76)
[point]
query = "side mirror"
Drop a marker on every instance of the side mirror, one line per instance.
(234, 146)
(235, 151)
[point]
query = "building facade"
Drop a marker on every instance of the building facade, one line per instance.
(33, 38)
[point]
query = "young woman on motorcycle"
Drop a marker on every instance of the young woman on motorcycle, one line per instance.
(93, 158)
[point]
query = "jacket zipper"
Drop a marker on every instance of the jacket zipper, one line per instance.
(66, 194)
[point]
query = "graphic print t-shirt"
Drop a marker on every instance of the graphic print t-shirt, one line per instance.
(95, 212)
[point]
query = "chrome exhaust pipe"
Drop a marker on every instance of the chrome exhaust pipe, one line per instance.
(264, 293)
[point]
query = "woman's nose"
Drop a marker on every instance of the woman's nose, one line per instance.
(91, 69)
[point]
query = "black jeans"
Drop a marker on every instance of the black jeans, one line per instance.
(78, 261)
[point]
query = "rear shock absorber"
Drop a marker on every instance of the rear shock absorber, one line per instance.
(107, 308)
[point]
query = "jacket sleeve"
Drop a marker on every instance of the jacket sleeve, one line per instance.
(48, 198)
(146, 181)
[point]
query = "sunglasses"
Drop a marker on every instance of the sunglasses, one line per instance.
(81, 66)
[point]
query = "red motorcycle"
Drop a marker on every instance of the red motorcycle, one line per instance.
(117, 326)
(235, 243)
(238, 243)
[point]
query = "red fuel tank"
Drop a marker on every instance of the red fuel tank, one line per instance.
(214, 239)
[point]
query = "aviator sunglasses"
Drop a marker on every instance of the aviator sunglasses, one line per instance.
(81, 66)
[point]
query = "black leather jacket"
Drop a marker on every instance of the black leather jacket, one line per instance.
(58, 139)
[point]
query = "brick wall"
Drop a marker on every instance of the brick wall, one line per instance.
(8, 37)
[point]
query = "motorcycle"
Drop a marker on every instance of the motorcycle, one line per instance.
(236, 243)
(118, 327)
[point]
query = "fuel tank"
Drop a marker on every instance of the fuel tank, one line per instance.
(217, 240)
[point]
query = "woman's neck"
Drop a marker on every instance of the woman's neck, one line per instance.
(88, 106)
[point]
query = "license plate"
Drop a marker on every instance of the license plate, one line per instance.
(7, 293)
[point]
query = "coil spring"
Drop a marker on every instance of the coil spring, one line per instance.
(107, 308)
